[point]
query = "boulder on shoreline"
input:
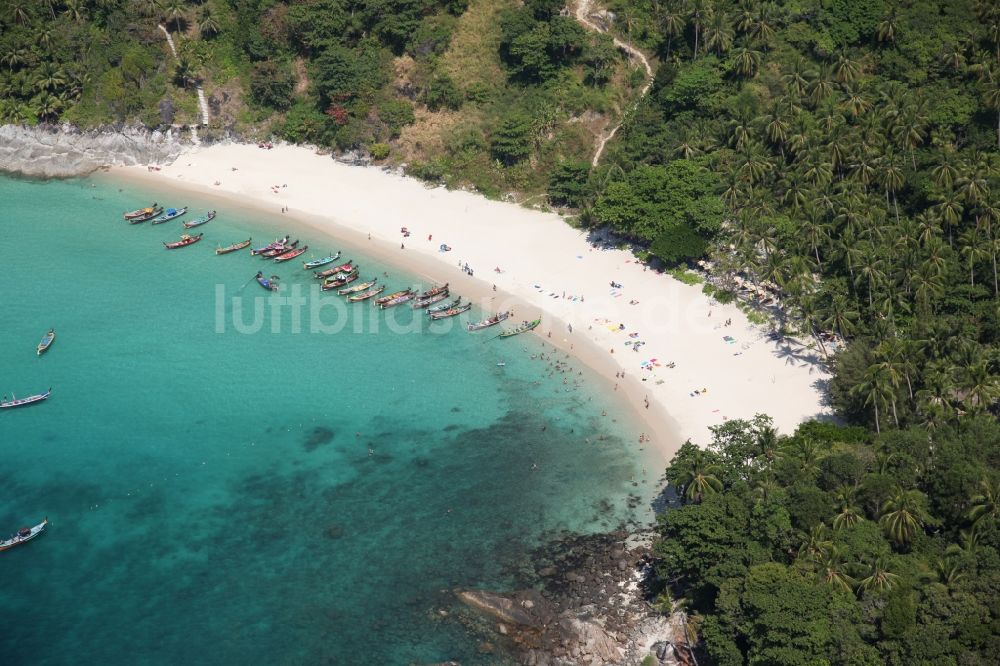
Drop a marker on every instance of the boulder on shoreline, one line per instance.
(66, 152)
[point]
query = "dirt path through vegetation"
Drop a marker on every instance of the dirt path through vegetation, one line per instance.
(583, 10)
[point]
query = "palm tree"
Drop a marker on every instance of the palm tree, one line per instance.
(795, 77)
(874, 389)
(672, 24)
(207, 25)
(817, 544)
(804, 453)
(855, 102)
(75, 10)
(49, 77)
(842, 316)
(746, 62)
(973, 250)
(903, 514)
(980, 386)
(719, 33)
(944, 172)
(985, 505)
(698, 12)
(848, 512)
(948, 568)
(762, 28)
(879, 578)
(908, 132)
(19, 12)
(846, 70)
(887, 27)
(950, 209)
(892, 178)
(700, 479)
(821, 87)
(175, 12)
(833, 571)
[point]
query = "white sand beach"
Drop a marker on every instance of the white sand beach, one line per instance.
(546, 267)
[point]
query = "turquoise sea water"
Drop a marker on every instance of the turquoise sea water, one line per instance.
(286, 496)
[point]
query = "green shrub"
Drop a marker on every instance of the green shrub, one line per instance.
(379, 151)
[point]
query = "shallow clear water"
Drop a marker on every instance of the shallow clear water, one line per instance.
(284, 496)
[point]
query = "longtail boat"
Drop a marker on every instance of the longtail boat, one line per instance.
(445, 306)
(153, 212)
(402, 298)
(183, 242)
(524, 327)
(343, 268)
(425, 302)
(269, 246)
(489, 321)
(358, 287)
(198, 221)
(374, 291)
(47, 341)
(340, 279)
(168, 215)
(451, 312)
(291, 254)
(234, 247)
(342, 275)
(434, 291)
(395, 294)
(22, 402)
(316, 263)
(281, 249)
(271, 283)
(140, 211)
(24, 534)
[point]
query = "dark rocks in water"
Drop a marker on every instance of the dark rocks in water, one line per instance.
(422, 462)
(317, 437)
(451, 427)
(579, 605)
(333, 531)
(456, 410)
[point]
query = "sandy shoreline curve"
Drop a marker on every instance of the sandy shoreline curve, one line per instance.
(545, 267)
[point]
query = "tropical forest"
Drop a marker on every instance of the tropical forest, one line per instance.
(833, 166)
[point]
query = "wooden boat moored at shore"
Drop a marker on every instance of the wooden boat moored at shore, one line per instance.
(425, 302)
(398, 300)
(271, 283)
(523, 328)
(198, 221)
(153, 212)
(269, 246)
(279, 250)
(434, 291)
(340, 280)
(316, 263)
(365, 295)
(445, 306)
(23, 402)
(395, 294)
(356, 288)
(47, 341)
(489, 321)
(140, 211)
(183, 242)
(168, 215)
(451, 312)
(343, 268)
(234, 247)
(23, 535)
(291, 254)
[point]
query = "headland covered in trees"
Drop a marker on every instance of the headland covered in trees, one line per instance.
(833, 162)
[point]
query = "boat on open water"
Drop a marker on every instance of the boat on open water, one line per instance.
(234, 247)
(316, 263)
(47, 341)
(523, 328)
(271, 283)
(183, 242)
(23, 402)
(24, 535)
(198, 221)
(169, 214)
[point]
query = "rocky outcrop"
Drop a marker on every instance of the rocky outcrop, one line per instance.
(65, 152)
(586, 605)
